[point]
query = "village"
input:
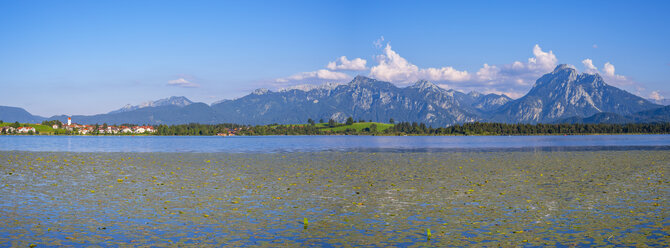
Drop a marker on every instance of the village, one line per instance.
(56, 127)
(82, 129)
(89, 129)
(23, 130)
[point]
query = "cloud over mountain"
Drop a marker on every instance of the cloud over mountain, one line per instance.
(342, 63)
(330, 74)
(392, 67)
(181, 82)
(512, 79)
(322, 74)
(589, 67)
(609, 74)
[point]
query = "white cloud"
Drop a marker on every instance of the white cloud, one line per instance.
(513, 79)
(543, 61)
(445, 73)
(610, 76)
(181, 82)
(394, 68)
(488, 72)
(379, 43)
(656, 95)
(609, 69)
(589, 67)
(322, 74)
(507, 93)
(342, 63)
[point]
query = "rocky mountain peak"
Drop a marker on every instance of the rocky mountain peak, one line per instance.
(562, 74)
(475, 94)
(423, 85)
(260, 91)
(565, 93)
(593, 80)
(362, 80)
(179, 101)
(564, 68)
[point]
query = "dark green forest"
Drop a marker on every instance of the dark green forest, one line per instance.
(406, 128)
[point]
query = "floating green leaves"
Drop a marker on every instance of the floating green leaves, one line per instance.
(603, 198)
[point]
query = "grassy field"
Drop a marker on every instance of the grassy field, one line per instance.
(318, 125)
(360, 126)
(42, 129)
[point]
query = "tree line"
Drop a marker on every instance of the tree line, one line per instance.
(333, 127)
(414, 128)
(484, 128)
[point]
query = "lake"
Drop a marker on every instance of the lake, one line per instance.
(263, 144)
(335, 191)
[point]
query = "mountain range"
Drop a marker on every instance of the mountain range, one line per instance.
(561, 96)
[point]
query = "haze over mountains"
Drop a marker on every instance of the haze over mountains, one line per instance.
(562, 95)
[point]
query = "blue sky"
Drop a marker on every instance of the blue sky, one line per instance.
(87, 57)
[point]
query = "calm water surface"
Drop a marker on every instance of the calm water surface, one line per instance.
(272, 144)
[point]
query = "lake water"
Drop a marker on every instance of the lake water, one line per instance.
(272, 144)
(349, 199)
(335, 191)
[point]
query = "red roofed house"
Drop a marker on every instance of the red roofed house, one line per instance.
(125, 129)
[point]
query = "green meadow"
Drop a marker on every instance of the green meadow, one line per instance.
(41, 129)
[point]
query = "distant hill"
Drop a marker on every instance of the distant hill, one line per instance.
(178, 101)
(565, 93)
(13, 114)
(663, 102)
(362, 98)
(657, 115)
(562, 95)
(168, 115)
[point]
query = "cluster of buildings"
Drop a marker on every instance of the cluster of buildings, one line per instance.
(9, 130)
(87, 129)
(229, 132)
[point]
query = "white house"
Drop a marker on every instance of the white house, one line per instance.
(25, 129)
(112, 130)
(144, 129)
(125, 129)
(7, 129)
(139, 129)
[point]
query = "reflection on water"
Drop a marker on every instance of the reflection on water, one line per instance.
(269, 144)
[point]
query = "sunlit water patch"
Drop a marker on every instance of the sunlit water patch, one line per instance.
(334, 199)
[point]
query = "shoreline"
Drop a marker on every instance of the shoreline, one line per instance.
(484, 150)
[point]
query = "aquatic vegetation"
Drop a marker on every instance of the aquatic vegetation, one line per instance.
(594, 198)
